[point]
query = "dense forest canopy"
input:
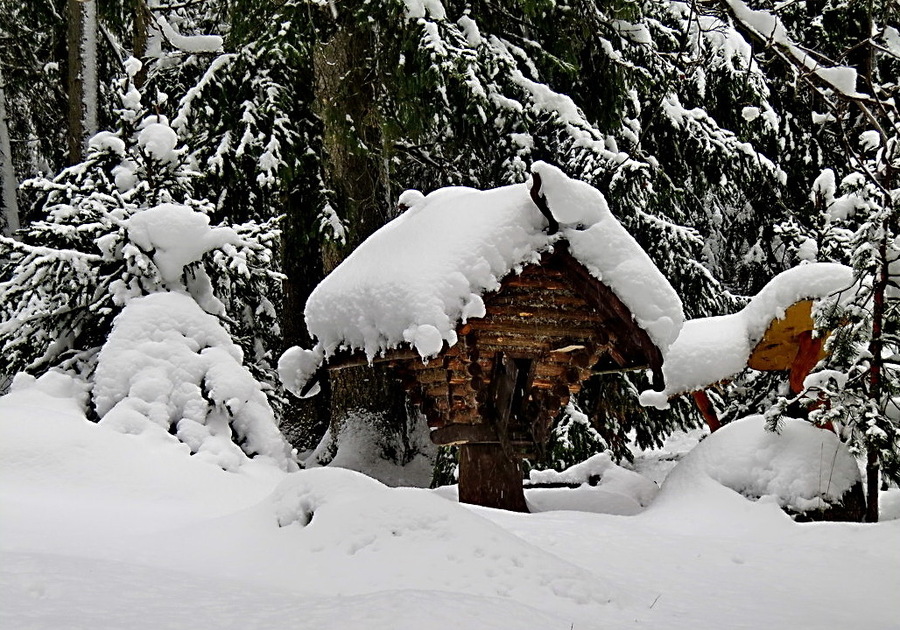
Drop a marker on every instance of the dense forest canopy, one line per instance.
(733, 140)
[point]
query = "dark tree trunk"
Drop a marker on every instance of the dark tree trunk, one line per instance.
(346, 96)
(304, 420)
(487, 476)
(9, 222)
(140, 36)
(82, 75)
(876, 386)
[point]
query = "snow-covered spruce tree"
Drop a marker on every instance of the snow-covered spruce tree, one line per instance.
(844, 101)
(123, 227)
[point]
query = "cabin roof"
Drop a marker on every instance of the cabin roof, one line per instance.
(714, 349)
(414, 281)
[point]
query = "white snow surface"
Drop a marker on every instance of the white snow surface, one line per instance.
(190, 43)
(802, 467)
(169, 366)
(107, 141)
(104, 531)
(416, 278)
(712, 349)
(603, 487)
(158, 140)
(177, 236)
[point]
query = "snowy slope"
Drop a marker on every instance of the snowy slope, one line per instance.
(103, 530)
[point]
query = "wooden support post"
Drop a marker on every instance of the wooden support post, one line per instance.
(809, 353)
(488, 477)
(491, 474)
(706, 410)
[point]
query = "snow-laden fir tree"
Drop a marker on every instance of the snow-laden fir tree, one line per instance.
(841, 94)
(121, 227)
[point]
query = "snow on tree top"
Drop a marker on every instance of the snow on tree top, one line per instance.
(177, 236)
(420, 275)
(712, 349)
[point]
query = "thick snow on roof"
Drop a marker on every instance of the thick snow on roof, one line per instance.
(420, 275)
(711, 349)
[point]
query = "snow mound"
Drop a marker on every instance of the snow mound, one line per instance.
(712, 349)
(362, 445)
(417, 277)
(168, 366)
(354, 523)
(603, 487)
(107, 141)
(802, 468)
(158, 140)
(96, 483)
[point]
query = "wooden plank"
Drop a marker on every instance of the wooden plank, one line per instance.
(455, 434)
(545, 311)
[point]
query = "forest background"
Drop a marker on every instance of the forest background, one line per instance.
(733, 140)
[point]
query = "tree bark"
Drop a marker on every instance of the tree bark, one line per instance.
(140, 37)
(82, 77)
(8, 181)
(346, 95)
(876, 346)
(487, 476)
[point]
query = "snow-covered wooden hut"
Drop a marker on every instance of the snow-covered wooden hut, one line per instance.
(493, 306)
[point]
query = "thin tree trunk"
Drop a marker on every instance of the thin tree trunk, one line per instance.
(82, 77)
(140, 37)
(876, 344)
(8, 181)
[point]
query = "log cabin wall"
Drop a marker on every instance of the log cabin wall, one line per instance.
(544, 332)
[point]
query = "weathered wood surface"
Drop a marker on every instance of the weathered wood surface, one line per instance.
(496, 391)
(782, 341)
(564, 323)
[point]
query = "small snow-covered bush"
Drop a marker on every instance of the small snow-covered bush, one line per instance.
(124, 258)
(170, 365)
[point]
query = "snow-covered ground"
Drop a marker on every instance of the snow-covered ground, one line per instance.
(104, 530)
